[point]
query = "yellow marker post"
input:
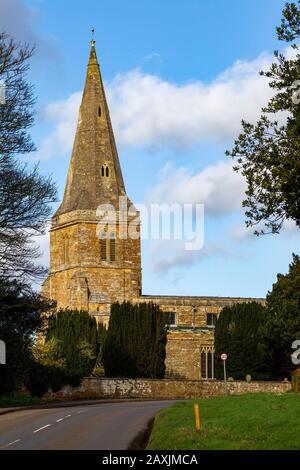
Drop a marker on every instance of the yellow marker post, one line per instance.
(197, 416)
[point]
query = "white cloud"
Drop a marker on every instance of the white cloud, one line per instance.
(153, 56)
(176, 257)
(63, 114)
(217, 186)
(290, 227)
(149, 111)
(242, 232)
(43, 243)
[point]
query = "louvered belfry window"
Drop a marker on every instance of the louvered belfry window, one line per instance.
(112, 247)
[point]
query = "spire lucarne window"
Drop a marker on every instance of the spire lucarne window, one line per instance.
(104, 171)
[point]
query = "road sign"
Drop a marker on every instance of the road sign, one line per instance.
(224, 358)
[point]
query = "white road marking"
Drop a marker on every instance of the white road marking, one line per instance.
(64, 417)
(40, 429)
(81, 411)
(10, 444)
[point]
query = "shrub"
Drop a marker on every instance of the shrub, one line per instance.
(41, 378)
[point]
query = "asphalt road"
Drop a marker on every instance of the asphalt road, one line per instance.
(105, 426)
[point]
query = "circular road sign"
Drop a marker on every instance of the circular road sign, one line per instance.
(224, 357)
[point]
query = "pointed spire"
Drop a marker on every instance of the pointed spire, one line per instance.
(94, 175)
(93, 56)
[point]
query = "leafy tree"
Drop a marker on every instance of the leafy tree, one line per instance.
(78, 336)
(49, 353)
(25, 195)
(135, 341)
(236, 334)
(22, 314)
(281, 324)
(267, 153)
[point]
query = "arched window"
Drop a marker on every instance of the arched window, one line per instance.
(207, 363)
(103, 248)
(211, 320)
(99, 111)
(203, 365)
(112, 248)
(104, 170)
(171, 318)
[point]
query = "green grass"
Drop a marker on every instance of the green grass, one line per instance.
(246, 422)
(16, 400)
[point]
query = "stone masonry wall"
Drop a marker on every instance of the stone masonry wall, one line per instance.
(182, 306)
(183, 353)
(160, 389)
(191, 334)
(79, 277)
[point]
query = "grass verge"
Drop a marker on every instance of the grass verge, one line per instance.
(247, 422)
(17, 400)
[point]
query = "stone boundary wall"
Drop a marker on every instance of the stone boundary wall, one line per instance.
(158, 389)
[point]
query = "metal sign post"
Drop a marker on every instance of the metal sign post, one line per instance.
(224, 359)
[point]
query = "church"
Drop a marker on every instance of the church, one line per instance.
(92, 267)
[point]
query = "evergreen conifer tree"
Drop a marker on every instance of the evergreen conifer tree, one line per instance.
(236, 334)
(78, 336)
(135, 342)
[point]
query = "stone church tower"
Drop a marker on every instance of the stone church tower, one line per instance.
(95, 254)
(93, 261)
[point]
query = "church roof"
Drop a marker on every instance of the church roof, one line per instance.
(94, 175)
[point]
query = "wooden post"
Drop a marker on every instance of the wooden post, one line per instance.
(296, 380)
(197, 416)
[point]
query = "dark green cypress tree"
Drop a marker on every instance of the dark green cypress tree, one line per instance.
(101, 337)
(135, 342)
(281, 325)
(77, 332)
(236, 334)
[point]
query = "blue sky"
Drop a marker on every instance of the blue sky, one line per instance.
(180, 75)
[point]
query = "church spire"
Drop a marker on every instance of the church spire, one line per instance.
(94, 175)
